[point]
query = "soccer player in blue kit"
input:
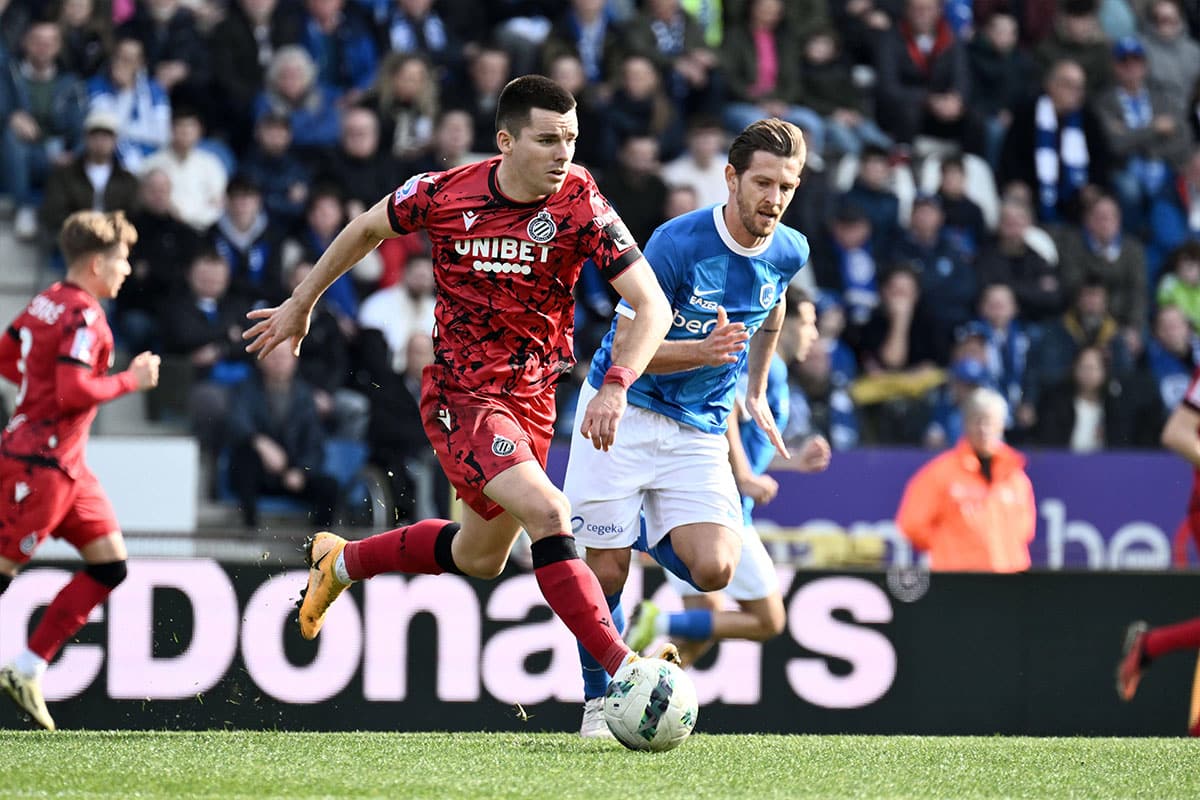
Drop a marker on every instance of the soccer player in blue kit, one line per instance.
(725, 271)
(755, 584)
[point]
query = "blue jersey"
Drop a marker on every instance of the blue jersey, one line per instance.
(700, 267)
(759, 450)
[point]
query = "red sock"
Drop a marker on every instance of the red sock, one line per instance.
(1167, 639)
(412, 549)
(66, 614)
(575, 596)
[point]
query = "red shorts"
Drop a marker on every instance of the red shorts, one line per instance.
(476, 437)
(39, 501)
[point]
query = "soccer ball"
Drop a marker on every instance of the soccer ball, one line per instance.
(650, 705)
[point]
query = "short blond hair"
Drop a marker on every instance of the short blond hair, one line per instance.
(88, 233)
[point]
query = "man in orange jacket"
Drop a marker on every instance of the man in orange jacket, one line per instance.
(972, 507)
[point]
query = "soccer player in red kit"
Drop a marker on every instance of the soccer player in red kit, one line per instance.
(58, 351)
(1142, 643)
(510, 235)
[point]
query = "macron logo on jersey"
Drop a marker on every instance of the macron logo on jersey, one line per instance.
(469, 218)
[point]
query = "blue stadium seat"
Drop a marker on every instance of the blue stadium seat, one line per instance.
(344, 460)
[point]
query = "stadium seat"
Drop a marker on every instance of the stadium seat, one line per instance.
(345, 460)
(902, 184)
(981, 184)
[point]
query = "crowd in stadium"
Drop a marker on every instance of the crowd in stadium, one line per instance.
(1002, 193)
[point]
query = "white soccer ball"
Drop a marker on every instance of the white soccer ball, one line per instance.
(651, 705)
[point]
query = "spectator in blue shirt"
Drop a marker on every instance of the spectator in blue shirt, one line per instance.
(293, 91)
(948, 284)
(416, 27)
(139, 102)
(1006, 340)
(282, 177)
(1172, 354)
(341, 47)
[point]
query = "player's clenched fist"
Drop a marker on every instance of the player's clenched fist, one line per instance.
(724, 342)
(603, 414)
(145, 370)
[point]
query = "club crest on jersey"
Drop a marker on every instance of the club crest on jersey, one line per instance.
(542, 228)
(502, 446)
(766, 295)
(28, 543)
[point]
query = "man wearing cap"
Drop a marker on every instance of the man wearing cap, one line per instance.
(972, 507)
(967, 373)
(1146, 133)
(93, 180)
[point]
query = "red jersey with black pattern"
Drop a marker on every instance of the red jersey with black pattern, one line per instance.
(506, 271)
(58, 351)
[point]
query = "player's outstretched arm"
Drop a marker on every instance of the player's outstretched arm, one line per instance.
(78, 389)
(289, 321)
(1181, 434)
(638, 286)
(762, 348)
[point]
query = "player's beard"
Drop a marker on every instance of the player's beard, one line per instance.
(749, 215)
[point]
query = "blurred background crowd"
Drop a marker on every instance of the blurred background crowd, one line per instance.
(1000, 193)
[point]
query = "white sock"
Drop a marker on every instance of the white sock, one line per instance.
(339, 568)
(662, 623)
(29, 664)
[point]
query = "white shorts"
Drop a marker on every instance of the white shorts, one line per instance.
(676, 474)
(754, 578)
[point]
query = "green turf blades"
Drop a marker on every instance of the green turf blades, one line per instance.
(525, 766)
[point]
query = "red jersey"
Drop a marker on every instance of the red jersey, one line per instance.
(58, 351)
(505, 272)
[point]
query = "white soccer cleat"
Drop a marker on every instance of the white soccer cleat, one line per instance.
(27, 694)
(594, 726)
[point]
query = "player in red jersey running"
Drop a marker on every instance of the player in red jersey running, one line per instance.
(58, 351)
(510, 235)
(1142, 643)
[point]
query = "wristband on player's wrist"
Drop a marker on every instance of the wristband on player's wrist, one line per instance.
(623, 376)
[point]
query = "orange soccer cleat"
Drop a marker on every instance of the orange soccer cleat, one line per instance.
(320, 552)
(1133, 654)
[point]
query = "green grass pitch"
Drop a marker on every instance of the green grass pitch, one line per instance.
(562, 766)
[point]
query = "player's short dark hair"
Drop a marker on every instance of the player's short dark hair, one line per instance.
(521, 95)
(774, 136)
(89, 233)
